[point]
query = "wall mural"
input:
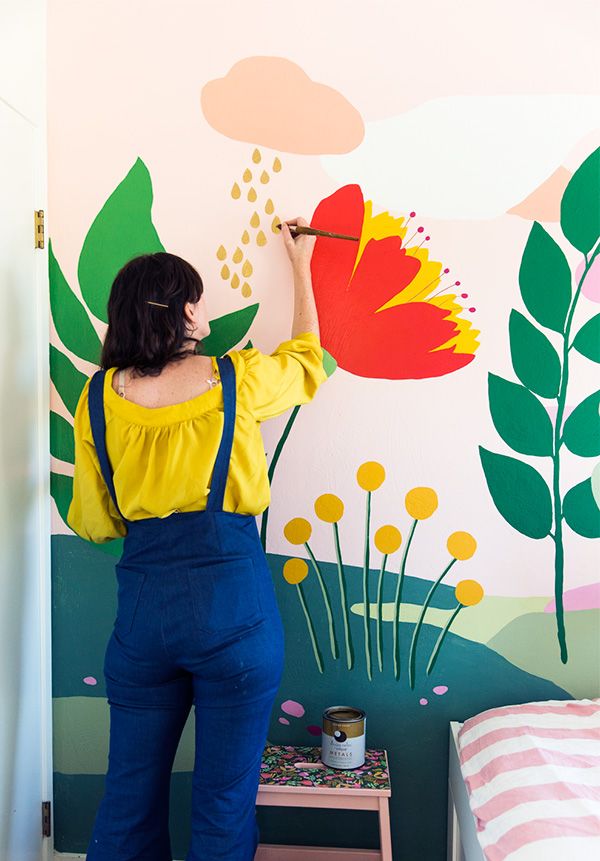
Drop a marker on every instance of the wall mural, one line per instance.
(414, 627)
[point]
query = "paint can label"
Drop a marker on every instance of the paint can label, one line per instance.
(343, 737)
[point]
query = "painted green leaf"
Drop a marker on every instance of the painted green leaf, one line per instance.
(519, 417)
(581, 431)
(329, 363)
(596, 484)
(581, 510)
(519, 492)
(122, 229)
(61, 490)
(579, 209)
(67, 379)
(545, 279)
(62, 439)
(587, 340)
(227, 331)
(534, 359)
(70, 317)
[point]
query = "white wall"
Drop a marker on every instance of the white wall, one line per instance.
(25, 682)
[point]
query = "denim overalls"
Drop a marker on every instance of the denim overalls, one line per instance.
(197, 621)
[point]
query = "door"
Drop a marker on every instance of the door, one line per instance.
(25, 682)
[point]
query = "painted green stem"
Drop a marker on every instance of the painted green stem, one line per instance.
(365, 585)
(398, 601)
(343, 598)
(311, 628)
(379, 627)
(440, 639)
(335, 651)
(412, 657)
(559, 553)
(276, 455)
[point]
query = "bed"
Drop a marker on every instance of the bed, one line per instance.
(524, 783)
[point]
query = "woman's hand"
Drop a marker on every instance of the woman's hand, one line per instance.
(299, 249)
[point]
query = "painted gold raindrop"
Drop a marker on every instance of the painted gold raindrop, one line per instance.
(238, 255)
(276, 165)
(247, 176)
(246, 289)
(225, 272)
(261, 239)
(247, 269)
(255, 220)
(256, 156)
(235, 281)
(221, 252)
(251, 195)
(264, 177)
(269, 208)
(274, 224)
(245, 237)
(235, 191)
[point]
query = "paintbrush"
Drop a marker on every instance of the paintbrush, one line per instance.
(312, 231)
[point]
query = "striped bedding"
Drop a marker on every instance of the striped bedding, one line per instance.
(533, 776)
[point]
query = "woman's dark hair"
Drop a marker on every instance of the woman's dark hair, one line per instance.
(142, 335)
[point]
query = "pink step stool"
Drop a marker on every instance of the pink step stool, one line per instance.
(296, 777)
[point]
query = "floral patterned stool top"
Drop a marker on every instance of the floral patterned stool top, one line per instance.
(282, 765)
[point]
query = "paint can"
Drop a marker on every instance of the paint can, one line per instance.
(343, 737)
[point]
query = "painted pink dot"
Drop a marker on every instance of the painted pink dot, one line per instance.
(428, 237)
(90, 680)
(284, 720)
(314, 730)
(293, 708)
(591, 285)
(423, 701)
(472, 310)
(464, 295)
(412, 214)
(457, 283)
(440, 690)
(446, 271)
(420, 229)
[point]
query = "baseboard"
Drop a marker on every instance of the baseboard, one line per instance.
(276, 852)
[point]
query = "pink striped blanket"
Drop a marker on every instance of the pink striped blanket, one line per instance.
(533, 776)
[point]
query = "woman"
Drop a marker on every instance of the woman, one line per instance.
(168, 453)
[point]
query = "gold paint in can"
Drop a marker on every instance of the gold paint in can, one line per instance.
(343, 737)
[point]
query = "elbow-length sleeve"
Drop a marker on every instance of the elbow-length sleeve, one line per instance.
(287, 377)
(92, 513)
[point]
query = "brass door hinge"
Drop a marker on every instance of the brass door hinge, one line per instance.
(46, 819)
(38, 220)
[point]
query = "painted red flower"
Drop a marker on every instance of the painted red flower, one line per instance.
(381, 312)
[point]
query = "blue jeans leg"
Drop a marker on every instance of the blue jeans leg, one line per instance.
(146, 722)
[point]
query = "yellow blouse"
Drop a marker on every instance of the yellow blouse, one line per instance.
(162, 457)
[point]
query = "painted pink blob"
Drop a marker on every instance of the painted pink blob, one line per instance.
(412, 214)
(291, 707)
(472, 310)
(446, 271)
(284, 720)
(420, 229)
(440, 690)
(314, 730)
(90, 680)
(427, 238)
(464, 295)
(581, 598)
(591, 285)
(457, 283)
(423, 701)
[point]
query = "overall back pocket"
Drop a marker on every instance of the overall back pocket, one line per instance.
(225, 594)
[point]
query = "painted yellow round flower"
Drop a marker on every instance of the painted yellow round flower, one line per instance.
(370, 475)
(329, 507)
(297, 530)
(461, 545)
(388, 539)
(469, 592)
(421, 502)
(295, 570)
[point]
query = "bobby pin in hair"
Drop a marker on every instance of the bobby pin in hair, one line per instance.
(161, 304)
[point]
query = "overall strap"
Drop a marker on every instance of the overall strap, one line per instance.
(221, 468)
(98, 424)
